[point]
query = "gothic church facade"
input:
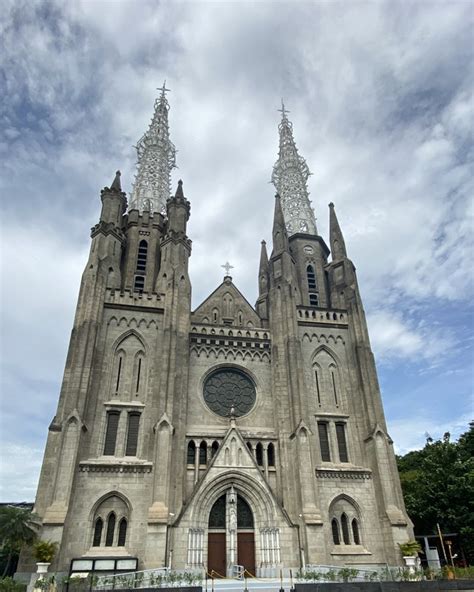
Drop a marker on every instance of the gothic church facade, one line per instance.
(231, 434)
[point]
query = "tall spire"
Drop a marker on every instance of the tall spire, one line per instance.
(290, 174)
(263, 270)
(338, 246)
(156, 157)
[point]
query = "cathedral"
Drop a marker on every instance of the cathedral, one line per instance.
(230, 437)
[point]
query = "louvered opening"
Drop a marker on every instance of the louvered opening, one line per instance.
(324, 441)
(142, 256)
(139, 283)
(132, 434)
(111, 433)
(341, 442)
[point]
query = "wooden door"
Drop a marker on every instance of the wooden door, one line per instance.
(246, 551)
(216, 559)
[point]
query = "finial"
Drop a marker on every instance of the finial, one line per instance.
(264, 242)
(179, 190)
(116, 185)
(283, 111)
(227, 266)
(164, 89)
(331, 205)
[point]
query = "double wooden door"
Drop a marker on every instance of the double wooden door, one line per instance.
(216, 554)
(246, 551)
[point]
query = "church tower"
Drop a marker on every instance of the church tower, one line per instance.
(226, 436)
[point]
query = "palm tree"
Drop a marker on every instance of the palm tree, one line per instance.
(18, 528)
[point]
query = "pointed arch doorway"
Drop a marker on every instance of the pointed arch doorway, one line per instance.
(231, 538)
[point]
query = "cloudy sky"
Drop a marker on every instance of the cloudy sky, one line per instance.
(380, 99)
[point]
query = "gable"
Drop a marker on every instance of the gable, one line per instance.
(226, 306)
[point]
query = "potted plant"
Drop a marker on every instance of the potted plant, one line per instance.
(410, 551)
(44, 552)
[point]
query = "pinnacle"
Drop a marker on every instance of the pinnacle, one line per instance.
(116, 185)
(179, 190)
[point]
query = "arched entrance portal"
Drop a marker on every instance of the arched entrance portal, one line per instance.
(231, 539)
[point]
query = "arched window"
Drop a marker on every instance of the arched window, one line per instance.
(142, 256)
(191, 459)
(214, 448)
(203, 453)
(259, 454)
(111, 512)
(345, 529)
(217, 514)
(132, 434)
(355, 532)
(335, 532)
(99, 525)
(249, 446)
(122, 534)
(271, 455)
(111, 432)
(345, 517)
(109, 539)
(244, 514)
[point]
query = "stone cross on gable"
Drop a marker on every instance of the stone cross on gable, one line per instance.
(227, 266)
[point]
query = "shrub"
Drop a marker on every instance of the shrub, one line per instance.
(9, 585)
(44, 551)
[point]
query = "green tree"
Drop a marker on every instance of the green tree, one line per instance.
(438, 487)
(18, 528)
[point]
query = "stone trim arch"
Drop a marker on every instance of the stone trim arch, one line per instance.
(124, 336)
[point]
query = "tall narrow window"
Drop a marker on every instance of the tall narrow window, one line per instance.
(99, 525)
(111, 432)
(333, 378)
(109, 539)
(119, 373)
(191, 457)
(142, 256)
(318, 392)
(355, 532)
(313, 300)
(259, 454)
(341, 442)
(139, 370)
(122, 534)
(345, 529)
(139, 283)
(335, 532)
(214, 448)
(311, 278)
(203, 453)
(271, 455)
(132, 434)
(324, 441)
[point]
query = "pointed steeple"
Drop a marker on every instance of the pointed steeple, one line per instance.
(116, 185)
(263, 270)
(290, 176)
(156, 157)
(338, 246)
(279, 233)
(179, 190)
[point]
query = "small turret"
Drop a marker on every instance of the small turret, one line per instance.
(338, 246)
(263, 280)
(178, 209)
(113, 203)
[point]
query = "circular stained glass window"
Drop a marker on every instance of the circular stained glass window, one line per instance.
(227, 388)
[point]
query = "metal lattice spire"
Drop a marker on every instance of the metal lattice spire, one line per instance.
(156, 156)
(290, 174)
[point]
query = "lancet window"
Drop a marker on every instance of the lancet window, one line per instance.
(110, 523)
(345, 522)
